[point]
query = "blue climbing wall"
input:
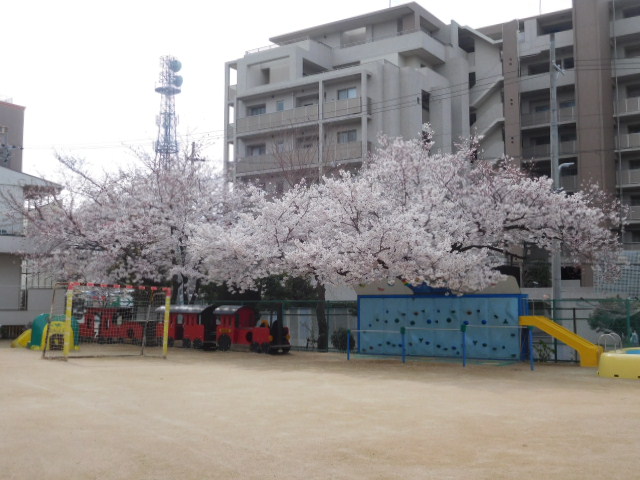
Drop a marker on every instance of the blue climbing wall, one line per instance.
(433, 325)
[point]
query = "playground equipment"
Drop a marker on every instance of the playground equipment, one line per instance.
(41, 329)
(589, 352)
(619, 362)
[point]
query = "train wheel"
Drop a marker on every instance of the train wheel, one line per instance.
(224, 342)
(265, 347)
(255, 347)
(170, 342)
(186, 343)
(286, 349)
(197, 343)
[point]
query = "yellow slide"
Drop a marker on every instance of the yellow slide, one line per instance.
(589, 353)
(23, 340)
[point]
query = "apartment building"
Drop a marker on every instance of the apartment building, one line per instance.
(316, 99)
(18, 303)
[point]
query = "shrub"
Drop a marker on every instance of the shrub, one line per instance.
(339, 340)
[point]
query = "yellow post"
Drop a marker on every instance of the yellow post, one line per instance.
(165, 336)
(67, 323)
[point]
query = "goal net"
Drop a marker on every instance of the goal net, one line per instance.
(98, 320)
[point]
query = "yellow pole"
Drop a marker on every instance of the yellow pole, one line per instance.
(67, 323)
(165, 336)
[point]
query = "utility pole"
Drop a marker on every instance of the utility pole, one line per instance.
(556, 272)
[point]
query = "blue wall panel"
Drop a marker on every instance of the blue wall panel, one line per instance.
(433, 325)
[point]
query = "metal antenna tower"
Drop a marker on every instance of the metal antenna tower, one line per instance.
(168, 86)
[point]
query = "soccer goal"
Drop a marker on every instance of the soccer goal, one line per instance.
(99, 320)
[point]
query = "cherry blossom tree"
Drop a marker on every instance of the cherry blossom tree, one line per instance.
(132, 226)
(444, 219)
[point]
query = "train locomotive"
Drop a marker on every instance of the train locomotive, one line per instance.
(209, 327)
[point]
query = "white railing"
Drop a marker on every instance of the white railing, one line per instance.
(628, 177)
(630, 140)
(536, 151)
(343, 108)
(284, 118)
(629, 105)
(567, 114)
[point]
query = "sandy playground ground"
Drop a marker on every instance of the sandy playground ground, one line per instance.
(237, 415)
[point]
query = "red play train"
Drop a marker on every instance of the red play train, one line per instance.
(210, 328)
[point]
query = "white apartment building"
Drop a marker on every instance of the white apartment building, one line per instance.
(317, 98)
(22, 295)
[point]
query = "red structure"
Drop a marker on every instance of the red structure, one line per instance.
(238, 325)
(193, 324)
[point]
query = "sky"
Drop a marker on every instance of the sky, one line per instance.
(86, 71)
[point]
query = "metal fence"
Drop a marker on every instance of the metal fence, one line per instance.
(589, 318)
(313, 325)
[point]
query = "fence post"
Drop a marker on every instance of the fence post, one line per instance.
(627, 302)
(463, 329)
(531, 347)
(404, 345)
(349, 344)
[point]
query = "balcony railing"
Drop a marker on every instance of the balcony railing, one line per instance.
(343, 108)
(544, 151)
(628, 141)
(628, 177)
(281, 119)
(629, 105)
(298, 159)
(343, 151)
(544, 118)
(634, 213)
(283, 161)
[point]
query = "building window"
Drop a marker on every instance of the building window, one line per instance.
(632, 51)
(279, 146)
(347, 93)
(633, 91)
(635, 237)
(280, 106)
(631, 12)
(568, 63)
(256, 110)
(634, 164)
(567, 104)
(472, 79)
(634, 200)
(634, 128)
(538, 68)
(348, 136)
(541, 108)
(256, 150)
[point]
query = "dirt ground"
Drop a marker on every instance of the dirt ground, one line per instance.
(237, 415)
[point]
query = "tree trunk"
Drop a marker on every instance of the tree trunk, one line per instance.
(321, 317)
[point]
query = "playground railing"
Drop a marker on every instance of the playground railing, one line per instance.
(464, 338)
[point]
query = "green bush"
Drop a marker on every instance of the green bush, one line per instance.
(339, 340)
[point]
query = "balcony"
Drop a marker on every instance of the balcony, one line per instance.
(531, 83)
(345, 108)
(625, 67)
(544, 151)
(270, 163)
(232, 92)
(634, 214)
(628, 177)
(569, 183)
(565, 115)
(629, 106)
(343, 151)
(628, 141)
(285, 118)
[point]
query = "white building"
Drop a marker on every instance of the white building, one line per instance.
(317, 98)
(22, 295)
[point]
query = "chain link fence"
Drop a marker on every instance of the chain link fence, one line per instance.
(589, 318)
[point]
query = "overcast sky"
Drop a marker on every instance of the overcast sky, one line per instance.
(86, 70)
